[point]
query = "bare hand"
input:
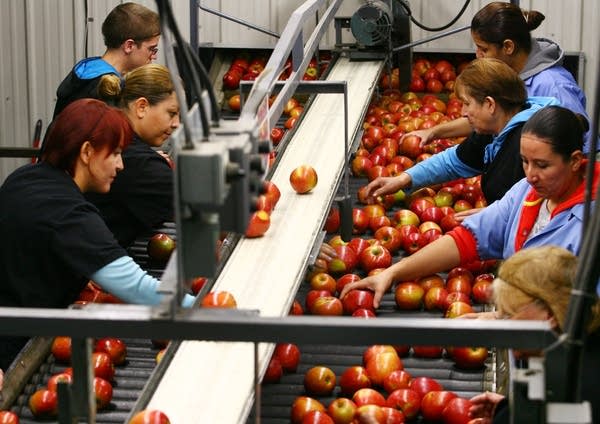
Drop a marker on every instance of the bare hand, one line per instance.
(483, 407)
(479, 315)
(378, 283)
(460, 216)
(327, 253)
(425, 135)
(387, 185)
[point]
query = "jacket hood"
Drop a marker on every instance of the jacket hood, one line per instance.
(93, 67)
(543, 55)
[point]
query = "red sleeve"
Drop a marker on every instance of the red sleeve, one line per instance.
(466, 243)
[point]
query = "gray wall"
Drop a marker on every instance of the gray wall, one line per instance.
(42, 39)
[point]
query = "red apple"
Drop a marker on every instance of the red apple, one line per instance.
(303, 405)
(342, 410)
(197, 284)
(375, 350)
(219, 299)
(369, 414)
(364, 313)
(412, 242)
(429, 281)
(234, 103)
(406, 400)
(462, 205)
(456, 297)
(277, 134)
(389, 237)
(377, 222)
(313, 295)
(395, 380)
(375, 256)
(469, 357)
(381, 365)
(392, 415)
(353, 379)
(289, 356)
(419, 205)
(433, 214)
(327, 305)
(448, 222)
(406, 217)
(435, 298)
(61, 349)
(409, 296)
(457, 309)
(357, 299)
(56, 379)
(103, 392)
(8, 417)
(44, 404)
(303, 179)
(424, 385)
(358, 244)
(231, 80)
(345, 261)
(482, 291)
(150, 416)
(290, 104)
(323, 281)
(434, 402)
(319, 381)
(102, 365)
(411, 146)
(160, 246)
(459, 283)
(296, 308)
(115, 348)
(368, 396)
(332, 223)
(345, 279)
(457, 411)
(428, 351)
(360, 221)
(317, 417)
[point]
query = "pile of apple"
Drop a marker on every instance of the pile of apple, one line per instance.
(379, 390)
(108, 352)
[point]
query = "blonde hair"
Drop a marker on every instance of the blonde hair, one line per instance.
(151, 81)
(491, 77)
(543, 275)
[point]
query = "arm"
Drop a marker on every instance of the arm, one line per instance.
(456, 128)
(126, 280)
(438, 256)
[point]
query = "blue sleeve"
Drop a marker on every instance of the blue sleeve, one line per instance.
(130, 283)
(439, 168)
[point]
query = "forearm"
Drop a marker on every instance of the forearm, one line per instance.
(456, 128)
(439, 256)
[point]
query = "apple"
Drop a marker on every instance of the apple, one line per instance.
(332, 223)
(412, 242)
(435, 298)
(389, 237)
(376, 170)
(377, 222)
(353, 379)
(457, 411)
(148, 416)
(462, 205)
(360, 221)
(482, 291)
(303, 179)
(319, 381)
(43, 403)
(289, 356)
(160, 246)
(115, 348)
(274, 371)
(364, 313)
(303, 405)
(368, 396)
(289, 105)
(409, 295)
(345, 261)
(345, 279)
(428, 351)
(327, 305)
(459, 283)
(392, 415)
(53, 381)
(8, 417)
(456, 297)
(429, 281)
(297, 111)
(234, 103)
(375, 256)
(406, 400)
(404, 161)
(424, 385)
(313, 295)
(358, 244)
(381, 365)
(398, 379)
(342, 410)
(61, 349)
(457, 309)
(417, 84)
(434, 402)
(357, 299)
(433, 214)
(411, 146)
(405, 217)
(374, 350)
(259, 223)
(277, 134)
(448, 222)
(197, 284)
(374, 210)
(469, 357)
(369, 414)
(360, 165)
(460, 270)
(323, 281)
(296, 308)
(102, 365)
(219, 299)
(231, 80)
(103, 392)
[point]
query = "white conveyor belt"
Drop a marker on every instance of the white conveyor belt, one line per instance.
(213, 382)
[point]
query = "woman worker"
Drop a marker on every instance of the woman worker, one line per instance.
(141, 195)
(55, 241)
(536, 284)
(502, 30)
(544, 208)
(496, 107)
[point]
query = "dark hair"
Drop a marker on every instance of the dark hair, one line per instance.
(85, 120)
(561, 127)
(494, 78)
(151, 81)
(129, 21)
(499, 21)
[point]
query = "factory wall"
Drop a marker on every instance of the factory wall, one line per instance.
(42, 39)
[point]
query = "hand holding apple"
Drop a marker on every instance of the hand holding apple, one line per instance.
(378, 283)
(381, 186)
(426, 135)
(484, 405)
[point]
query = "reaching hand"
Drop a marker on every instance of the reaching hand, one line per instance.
(378, 283)
(483, 407)
(327, 252)
(387, 185)
(425, 135)
(460, 216)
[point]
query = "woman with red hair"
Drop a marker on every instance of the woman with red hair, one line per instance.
(55, 240)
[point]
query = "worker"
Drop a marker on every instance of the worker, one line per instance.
(131, 34)
(496, 106)
(501, 30)
(141, 196)
(544, 208)
(54, 240)
(536, 284)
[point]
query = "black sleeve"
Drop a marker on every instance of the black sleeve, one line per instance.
(471, 151)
